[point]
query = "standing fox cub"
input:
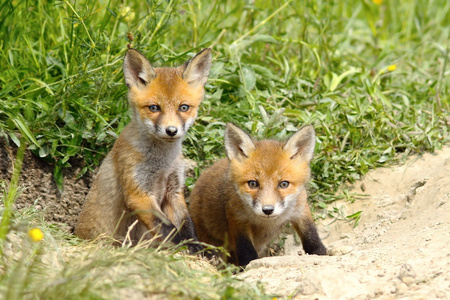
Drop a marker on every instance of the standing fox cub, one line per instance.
(243, 201)
(142, 178)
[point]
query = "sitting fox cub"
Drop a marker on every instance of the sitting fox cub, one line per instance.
(142, 178)
(243, 201)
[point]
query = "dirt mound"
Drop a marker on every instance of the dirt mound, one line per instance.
(399, 249)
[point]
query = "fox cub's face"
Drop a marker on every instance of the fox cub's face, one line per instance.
(269, 175)
(165, 100)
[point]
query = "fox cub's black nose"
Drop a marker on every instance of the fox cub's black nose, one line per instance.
(268, 209)
(171, 131)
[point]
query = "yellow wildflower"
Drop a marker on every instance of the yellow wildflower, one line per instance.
(124, 10)
(392, 68)
(377, 2)
(127, 13)
(35, 234)
(130, 17)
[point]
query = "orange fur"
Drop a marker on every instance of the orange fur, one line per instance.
(228, 209)
(168, 90)
(142, 178)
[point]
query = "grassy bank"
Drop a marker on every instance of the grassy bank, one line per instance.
(60, 266)
(372, 79)
(371, 76)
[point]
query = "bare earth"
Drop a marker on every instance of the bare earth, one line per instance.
(399, 250)
(39, 189)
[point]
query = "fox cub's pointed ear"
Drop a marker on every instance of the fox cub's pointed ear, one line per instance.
(301, 143)
(196, 70)
(238, 144)
(137, 69)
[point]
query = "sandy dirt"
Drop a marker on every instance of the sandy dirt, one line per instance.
(399, 250)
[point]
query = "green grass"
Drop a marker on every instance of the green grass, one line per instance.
(277, 65)
(63, 267)
(324, 63)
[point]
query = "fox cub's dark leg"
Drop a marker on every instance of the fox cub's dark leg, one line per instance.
(310, 238)
(245, 251)
(174, 207)
(185, 232)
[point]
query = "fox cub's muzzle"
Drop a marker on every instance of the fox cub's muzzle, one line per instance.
(268, 209)
(171, 131)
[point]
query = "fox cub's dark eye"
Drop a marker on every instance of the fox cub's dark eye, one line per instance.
(154, 108)
(253, 184)
(183, 107)
(284, 184)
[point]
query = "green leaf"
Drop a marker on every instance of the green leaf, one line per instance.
(14, 138)
(21, 124)
(249, 78)
(42, 84)
(355, 217)
(264, 115)
(336, 80)
(58, 176)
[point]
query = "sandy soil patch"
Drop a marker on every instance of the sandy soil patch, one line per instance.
(400, 248)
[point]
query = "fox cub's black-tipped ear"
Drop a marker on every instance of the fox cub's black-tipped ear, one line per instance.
(238, 144)
(302, 143)
(196, 70)
(137, 69)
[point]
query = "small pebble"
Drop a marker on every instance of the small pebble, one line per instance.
(339, 250)
(406, 270)
(408, 280)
